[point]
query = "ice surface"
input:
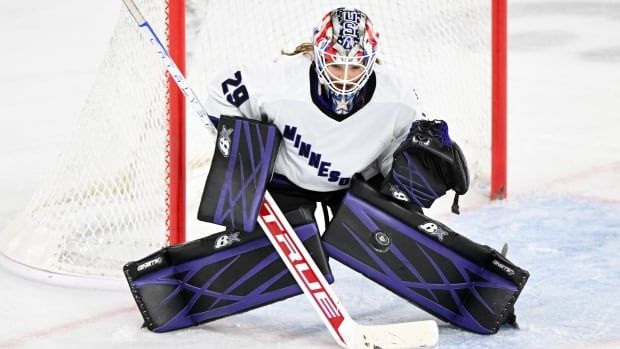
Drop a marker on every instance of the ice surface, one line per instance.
(562, 219)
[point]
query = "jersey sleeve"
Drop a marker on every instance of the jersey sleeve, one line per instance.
(412, 110)
(235, 92)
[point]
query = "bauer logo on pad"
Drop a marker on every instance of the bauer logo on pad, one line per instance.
(226, 240)
(224, 142)
(433, 230)
(398, 194)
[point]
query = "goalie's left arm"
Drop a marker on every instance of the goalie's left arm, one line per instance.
(426, 165)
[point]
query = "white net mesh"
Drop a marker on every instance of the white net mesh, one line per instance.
(106, 203)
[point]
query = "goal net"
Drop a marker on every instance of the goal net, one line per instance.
(114, 196)
(109, 199)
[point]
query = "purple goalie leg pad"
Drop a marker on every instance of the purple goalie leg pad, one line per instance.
(214, 277)
(469, 285)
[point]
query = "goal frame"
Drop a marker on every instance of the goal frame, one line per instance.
(176, 110)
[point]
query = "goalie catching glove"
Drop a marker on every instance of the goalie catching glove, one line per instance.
(426, 165)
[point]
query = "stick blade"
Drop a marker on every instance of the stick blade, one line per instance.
(504, 249)
(394, 336)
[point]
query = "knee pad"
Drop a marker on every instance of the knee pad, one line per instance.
(469, 285)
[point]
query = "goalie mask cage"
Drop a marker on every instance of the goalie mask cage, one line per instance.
(119, 193)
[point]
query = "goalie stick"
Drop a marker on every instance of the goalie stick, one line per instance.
(343, 328)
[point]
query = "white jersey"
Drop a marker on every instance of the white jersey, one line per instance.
(318, 152)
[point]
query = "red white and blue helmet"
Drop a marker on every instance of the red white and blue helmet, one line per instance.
(345, 38)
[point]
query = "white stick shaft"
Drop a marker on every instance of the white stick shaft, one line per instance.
(172, 68)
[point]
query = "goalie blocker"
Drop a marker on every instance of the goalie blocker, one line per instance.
(469, 285)
(242, 165)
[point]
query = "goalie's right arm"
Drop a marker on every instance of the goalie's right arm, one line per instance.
(229, 93)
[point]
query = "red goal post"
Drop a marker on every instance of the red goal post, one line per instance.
(499, 30)
(176, 112)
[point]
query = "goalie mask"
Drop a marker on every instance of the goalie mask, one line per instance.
(345, 46)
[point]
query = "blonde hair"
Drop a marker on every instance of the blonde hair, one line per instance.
(307, 49)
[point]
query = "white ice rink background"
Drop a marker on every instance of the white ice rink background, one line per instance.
(562, 219)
